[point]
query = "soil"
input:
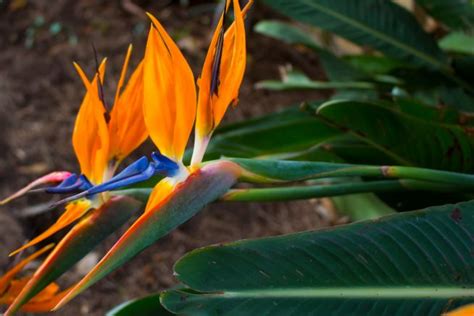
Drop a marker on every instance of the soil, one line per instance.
(40, 94)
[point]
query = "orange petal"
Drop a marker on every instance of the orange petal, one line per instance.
(127, 127)
(213, 104)
(169, 93)
(466, 310)
(44, 301)
(160, 192)
(7, 277)
(90, 138)
(74, 211)
(53, 177)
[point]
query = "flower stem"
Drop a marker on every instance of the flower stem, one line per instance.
(316, 191)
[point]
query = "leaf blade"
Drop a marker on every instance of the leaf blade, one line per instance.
(404, 264)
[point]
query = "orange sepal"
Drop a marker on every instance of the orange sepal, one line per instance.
(212, 106)
(10, 274)
(73, 212)
(44, 301)
(160, 192)
(90, 138)
(127, 128)
(10, 287)
(169, 93)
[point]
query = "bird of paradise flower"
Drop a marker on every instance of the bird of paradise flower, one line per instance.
(160, 100)
(101, 140)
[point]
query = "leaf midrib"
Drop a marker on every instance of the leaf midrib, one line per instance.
(377, 34)
(354, 293)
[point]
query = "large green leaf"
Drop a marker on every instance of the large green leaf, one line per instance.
(432, 88)
(293, 134)
(382, 25)
(456, 14)
(416, 263)
(432, 113)
(336, 68)
(289, 131)
(407, 139)
(146, 306)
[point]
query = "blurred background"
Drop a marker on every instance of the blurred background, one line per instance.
(40, 94)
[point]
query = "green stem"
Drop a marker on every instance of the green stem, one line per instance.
(286, 171)
(316, 191)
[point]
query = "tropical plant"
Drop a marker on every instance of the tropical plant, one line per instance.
(393, 146)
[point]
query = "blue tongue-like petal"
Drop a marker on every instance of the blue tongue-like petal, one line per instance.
(71, 184)
(114, 184)
(164, 165)
(138, 166)
(139, 171)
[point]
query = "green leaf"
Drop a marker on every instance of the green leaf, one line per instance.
(432, 113)
(382, 25)
(336, 68)
(432, 88)
(372, 64)
(458, 42)
(361, 206)
(79, 241)
(416, 263)
(457, 14)
(313, 85)
(297, 80)
(146, 306)
(456, 98)
(284, 132)
(287, 33)
(407, 139)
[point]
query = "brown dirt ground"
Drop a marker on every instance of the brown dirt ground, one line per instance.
(40, 94)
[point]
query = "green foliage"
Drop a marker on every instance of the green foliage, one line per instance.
(288, 131)
(361, 206)
(382, 25)
(146, 306)
(456, 14)
(416, 263)
(401, 119)
(458, 43)
(408, 140)
(412, 60)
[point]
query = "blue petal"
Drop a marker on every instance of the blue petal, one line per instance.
(69, 185)
(139, 171)
(136, 167)
(114, 184)
(164, 165)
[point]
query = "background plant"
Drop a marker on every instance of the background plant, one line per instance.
(406, 101)
(383, 132)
